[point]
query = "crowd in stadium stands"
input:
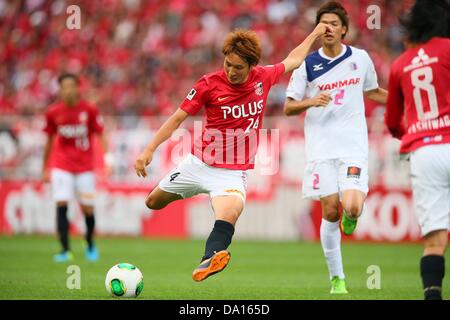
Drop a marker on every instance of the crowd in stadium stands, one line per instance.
(141, 57)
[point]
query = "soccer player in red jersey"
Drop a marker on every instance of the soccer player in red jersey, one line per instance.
(234, 99)
(418, 113)
(70, 127)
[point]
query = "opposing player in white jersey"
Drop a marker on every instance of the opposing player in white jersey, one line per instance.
(418, 113)
(329, 86)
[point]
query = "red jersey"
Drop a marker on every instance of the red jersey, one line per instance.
(73, 129)
(234, 115)
(419, 88)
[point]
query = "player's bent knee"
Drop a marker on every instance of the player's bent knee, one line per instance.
(434, 249)
(330, 208)
(331, 216)
(88, 210)
(436, 243)
(231, 215)
(153, 203)
(227, 208)
(353, 211)
(231, 218)
(330, 213)
(158, 199)
(235, 213)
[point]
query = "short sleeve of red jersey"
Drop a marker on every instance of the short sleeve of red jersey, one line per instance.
(196, 98)
(274, 71)
(49, 127)
(96, 121)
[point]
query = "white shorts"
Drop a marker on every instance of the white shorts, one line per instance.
(430, 179)
(192, 176)
(67, 186)
(325, 177)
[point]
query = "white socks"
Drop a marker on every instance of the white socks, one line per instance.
(330, 236)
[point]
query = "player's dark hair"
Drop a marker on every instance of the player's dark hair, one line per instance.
(427, 19)
(67, 75)
(336, 8)
(244, 43)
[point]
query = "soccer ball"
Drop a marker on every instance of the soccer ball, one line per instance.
(124, 280)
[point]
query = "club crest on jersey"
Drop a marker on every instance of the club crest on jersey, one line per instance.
(83, 116)
(259, 88)
(353, 66)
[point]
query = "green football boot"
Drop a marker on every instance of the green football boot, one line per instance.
(348, 225)
(338, 286)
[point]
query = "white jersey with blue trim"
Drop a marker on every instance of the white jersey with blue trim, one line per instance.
(339, 129)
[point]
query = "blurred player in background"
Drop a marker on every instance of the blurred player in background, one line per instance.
(329, 86)
(234, 99)
(419, 92)
(70, 127)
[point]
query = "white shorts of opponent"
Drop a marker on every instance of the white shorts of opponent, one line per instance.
(430, 179)
(192, 176)
(67, 186)
(326, 177)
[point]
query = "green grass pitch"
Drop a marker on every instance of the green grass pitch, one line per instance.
(257, 270)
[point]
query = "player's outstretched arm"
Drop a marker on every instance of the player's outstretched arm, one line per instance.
(298, 55)
(164, 133)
